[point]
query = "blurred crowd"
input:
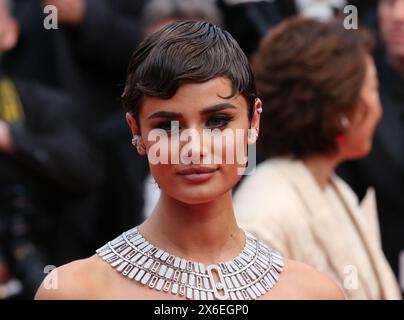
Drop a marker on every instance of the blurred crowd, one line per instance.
(70, 179)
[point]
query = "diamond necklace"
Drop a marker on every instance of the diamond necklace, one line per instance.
(250, 275)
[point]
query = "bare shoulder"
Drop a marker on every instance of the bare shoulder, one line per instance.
(299, 281)
(80, 279)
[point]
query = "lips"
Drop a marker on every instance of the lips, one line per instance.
(197, 174)
(197, 170)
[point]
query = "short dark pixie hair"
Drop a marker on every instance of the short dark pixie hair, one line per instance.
(182, 52)
(309, 74)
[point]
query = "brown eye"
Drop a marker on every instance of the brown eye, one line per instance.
(218, 121)
(168, 126)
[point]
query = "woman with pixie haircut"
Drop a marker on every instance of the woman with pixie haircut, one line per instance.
(189, 77)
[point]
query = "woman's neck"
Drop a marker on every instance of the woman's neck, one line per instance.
(204, 232)
(322, 167)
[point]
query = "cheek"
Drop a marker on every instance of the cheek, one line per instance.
(372, 114)
(230, 148)
(164, 150)
(378, 115)
(230, 176)
(357, 147)
(159, 155)
(361, 137)
(162, 174)
(234, 154)
(375, 113)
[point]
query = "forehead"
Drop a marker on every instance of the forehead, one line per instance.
(194, 96)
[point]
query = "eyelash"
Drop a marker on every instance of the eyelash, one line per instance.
(221, 122)
(224, 120)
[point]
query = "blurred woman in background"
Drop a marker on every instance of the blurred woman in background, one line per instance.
(321, 106)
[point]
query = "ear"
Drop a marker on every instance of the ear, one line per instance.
(255, 121)
(140, 146)
(11, 35)
(132, 124)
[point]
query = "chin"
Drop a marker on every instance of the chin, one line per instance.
(195, 198)
(361, 153)
(198, 194)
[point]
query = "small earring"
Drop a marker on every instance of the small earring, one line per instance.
(340, 139)
(345, 123)
(259, 110)
(135, 139)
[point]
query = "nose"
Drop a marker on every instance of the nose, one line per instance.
(195, 147)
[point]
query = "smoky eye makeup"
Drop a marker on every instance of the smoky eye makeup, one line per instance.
(167, 125)
(214, 117)
(217, 121)
(212, 121)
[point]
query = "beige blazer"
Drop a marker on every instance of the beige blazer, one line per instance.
(282, 204)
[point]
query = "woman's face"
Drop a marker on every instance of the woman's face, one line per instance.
(365, 119)
(198, 169)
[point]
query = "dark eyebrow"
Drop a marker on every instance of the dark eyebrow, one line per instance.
(165, 114)
(218, 107)
(174, 115)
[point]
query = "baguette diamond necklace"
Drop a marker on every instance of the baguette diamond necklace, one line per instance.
(250, 275)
